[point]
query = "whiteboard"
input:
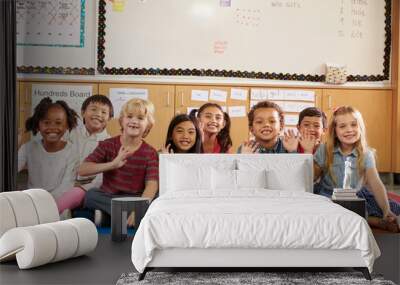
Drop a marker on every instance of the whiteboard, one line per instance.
(56, 36)
(271, 39)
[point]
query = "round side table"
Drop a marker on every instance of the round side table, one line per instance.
(120, 210)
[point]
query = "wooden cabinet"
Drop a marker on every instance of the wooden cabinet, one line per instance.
(162, 96)
(239, 129)
(376, 109)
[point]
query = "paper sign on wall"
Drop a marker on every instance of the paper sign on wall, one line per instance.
(237, 111)
(199, 95)
(73, 95)
(291, 120)
(119, 96)
(273, 94)
(294, 107)
(118, 5)
(282, 94)
(218, 95)
(300, 95)
(256, 94)
(239, 94)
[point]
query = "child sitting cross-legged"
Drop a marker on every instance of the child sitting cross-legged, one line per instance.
(129, 165)
(266, 122)
(346, 141)
(51, 162)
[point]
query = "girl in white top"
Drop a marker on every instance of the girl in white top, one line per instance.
(96, 111)
(51, 162)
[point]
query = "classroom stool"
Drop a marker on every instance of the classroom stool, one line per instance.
(120, 210)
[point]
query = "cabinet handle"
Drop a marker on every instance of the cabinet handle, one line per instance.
(182, 99)
(26, 96)
(329, 102)
(168, 104)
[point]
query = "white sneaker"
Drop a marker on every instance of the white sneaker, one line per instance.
(66, 215)
(98, 216)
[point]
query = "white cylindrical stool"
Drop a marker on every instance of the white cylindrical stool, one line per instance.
(120, 210)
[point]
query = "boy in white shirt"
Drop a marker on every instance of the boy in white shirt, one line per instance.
(96, 111)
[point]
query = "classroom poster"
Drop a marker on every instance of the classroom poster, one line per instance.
(119, 96)
(58, 23)
(73, 95)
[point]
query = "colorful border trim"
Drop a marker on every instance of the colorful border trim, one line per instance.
(234, 73)
(56, 70)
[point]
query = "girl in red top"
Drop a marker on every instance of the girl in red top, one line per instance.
(215, 125)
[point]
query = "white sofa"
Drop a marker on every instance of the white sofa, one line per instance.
(31, 233)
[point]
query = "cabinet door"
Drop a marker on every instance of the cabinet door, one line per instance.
(239, 130)
(376, 109)
(162, 96)
(25, 101)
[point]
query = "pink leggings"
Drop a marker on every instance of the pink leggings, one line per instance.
(70, 199)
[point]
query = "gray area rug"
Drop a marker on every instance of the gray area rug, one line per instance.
(273, 278)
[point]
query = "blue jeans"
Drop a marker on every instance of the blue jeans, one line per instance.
(97, 199)
(373, 208)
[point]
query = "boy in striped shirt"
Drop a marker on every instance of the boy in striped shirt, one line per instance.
(129, 165)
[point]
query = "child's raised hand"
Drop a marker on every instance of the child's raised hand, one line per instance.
(249, 147)
(167, 149)
(120, 159)
(308, 142)
(290, 141)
